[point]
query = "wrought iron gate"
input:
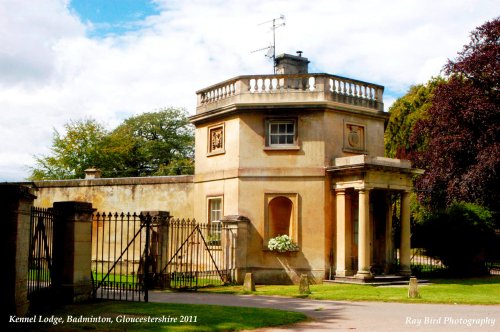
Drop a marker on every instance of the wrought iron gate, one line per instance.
(40, 253)
(132, 253)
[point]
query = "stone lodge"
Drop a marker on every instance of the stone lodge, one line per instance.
(296, 153)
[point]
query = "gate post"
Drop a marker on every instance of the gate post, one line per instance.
(158, 245)
(15, 205)
(72, 250)
(234, 245)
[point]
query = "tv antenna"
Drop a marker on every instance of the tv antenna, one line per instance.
(271, 49)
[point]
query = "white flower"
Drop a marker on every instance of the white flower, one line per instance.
(282, 243)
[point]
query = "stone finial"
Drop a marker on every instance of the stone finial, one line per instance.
(92, 173)
(249, 283)
(413, 288)
(304, 285)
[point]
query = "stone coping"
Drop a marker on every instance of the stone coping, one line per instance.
(364, 159)
(150, 180)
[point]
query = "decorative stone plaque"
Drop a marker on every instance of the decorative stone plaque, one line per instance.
(216, 139)
(354, 137)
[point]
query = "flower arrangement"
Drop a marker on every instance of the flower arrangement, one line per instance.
(282, 243)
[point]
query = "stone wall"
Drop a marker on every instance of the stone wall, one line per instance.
(166, 193)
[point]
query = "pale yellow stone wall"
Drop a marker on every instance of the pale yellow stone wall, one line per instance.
(226, 188)
(311, 226)
(252, 152)
(173, 194)
(217, 162)
(334, 125)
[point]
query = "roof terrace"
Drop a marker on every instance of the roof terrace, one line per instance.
(291, 86)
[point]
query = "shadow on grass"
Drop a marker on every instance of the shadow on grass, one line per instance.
(474, 281)
(140, 316)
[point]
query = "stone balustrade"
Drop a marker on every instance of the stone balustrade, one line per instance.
(313, 87)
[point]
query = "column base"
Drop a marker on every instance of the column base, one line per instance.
(363, 275)
(344, 273)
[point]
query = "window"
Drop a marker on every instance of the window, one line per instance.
(281, 133)
(214, 217)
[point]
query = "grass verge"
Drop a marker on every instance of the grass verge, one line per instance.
(460, 291)
(177, 317)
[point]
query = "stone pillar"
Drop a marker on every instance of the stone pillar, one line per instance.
(15, 203)
(364, 257)
(404, 250)
(92, 173)
(158, 246)
(389, 239)
(343, 252)
(72, 251)
(234, 243)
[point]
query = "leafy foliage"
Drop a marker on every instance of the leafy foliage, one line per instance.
(160, 143)
(78, 149)
(404, 113)
(460, 236)
(156, 143)
(462, 130)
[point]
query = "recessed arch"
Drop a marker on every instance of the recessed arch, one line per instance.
(280, 216)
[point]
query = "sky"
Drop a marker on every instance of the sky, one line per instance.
(64, 60)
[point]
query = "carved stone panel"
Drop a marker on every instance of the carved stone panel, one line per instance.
(216, 139)
(354, 137)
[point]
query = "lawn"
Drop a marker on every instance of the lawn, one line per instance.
(460, 291)
(177, 317)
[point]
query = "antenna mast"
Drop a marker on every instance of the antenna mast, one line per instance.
(277, 22)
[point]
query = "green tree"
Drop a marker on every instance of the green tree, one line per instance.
(462, 128)
(404, 113)
(77, 149)
(461, 236)
(155, 143)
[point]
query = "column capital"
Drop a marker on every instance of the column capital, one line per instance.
(340, 191)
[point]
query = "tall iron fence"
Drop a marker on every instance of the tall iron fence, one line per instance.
(132, 253)
(40, 250)
(420, 263)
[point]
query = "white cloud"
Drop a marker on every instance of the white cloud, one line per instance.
(51, 72)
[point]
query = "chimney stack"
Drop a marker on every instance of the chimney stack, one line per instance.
(291, 64)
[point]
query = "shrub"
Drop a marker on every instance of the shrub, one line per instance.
(460, 236)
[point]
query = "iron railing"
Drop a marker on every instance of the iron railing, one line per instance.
(132, 253)
(40, 250)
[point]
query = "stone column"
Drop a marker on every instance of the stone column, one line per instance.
(15, 203)
(404, 250)
(364, 260)
(72, 250)
(389, 239)
(234, 243)
(343, 252)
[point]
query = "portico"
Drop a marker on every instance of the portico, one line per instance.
(363, 187)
